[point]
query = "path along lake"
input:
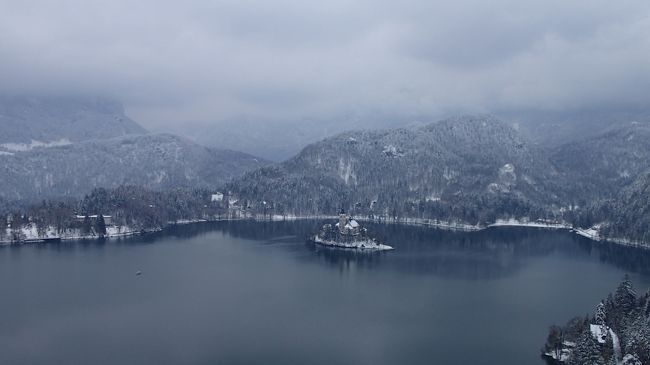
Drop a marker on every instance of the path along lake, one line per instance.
(257, 293)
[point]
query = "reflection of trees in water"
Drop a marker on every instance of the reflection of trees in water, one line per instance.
(631, 259)
(246, 229)
(347, 259)
(494, 253)
(300, 229)
(491, 253)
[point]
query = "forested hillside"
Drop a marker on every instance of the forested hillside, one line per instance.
(473, 170)
(599, 167)
(469, 168)
(618, 332)
(152, 161)
(58, 147)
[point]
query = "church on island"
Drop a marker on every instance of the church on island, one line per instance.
(347, 233)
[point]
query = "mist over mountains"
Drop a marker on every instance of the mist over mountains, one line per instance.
(387, 171)
(473, 169)
(281, 139)
(65, 147)
(157, 162)
(24, 119)
(523, 126)
(600, 166)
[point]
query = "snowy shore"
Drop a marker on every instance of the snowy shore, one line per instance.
(29, 233)
(366, 244)
(592, 233)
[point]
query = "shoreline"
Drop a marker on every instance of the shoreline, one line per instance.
(120, 232)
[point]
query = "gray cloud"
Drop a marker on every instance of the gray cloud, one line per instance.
(207, 61)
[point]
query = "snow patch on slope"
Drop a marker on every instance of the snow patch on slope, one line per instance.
(346, 172)
(24, 147)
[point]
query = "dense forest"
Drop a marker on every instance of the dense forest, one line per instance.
(618, 332)
(133, 207)
(473, 170)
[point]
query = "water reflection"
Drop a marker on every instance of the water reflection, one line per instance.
(488, 254)
(250, 293)
(492, 253)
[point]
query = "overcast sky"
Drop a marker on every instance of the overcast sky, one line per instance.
(191, 60)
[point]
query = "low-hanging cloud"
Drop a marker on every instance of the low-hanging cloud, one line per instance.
(216, 60)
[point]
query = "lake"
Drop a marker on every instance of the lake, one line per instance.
(257, 293)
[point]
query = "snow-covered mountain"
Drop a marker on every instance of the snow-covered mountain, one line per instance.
(66, 146)
(599, 167)
(551, 129)
(471, 169)
(468, 167)
(28, 121)
(158, 161)
(625, 216)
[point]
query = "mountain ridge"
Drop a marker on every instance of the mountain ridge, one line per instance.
(407, 169)
(154, 161)
(24, 119)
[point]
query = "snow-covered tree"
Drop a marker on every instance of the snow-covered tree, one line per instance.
(601, 317)
(555, 342)
(625, 296)
(587, 351)
(86, 228)
(100, 225)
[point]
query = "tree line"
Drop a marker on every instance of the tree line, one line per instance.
(618, 332)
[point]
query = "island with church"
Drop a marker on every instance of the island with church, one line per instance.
(347, 233)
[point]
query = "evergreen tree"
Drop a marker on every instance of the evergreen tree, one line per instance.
(587, 351)
(601, 317)
(555, 341)
(100, 225)
(625, 296)
(16, 225)
(3, 226)
(86, 227)
(646, 311)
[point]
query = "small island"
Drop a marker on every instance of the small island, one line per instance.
(347, 233)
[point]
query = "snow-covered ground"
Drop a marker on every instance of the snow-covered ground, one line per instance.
(366, 244)
(591, 233)
(22, 147)
(565, 352)
(599, 333)
(30, 233)
(454, 226)
(525, 223)
(616, 343)
(564, 355)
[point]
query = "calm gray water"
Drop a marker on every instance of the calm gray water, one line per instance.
(256, 293)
